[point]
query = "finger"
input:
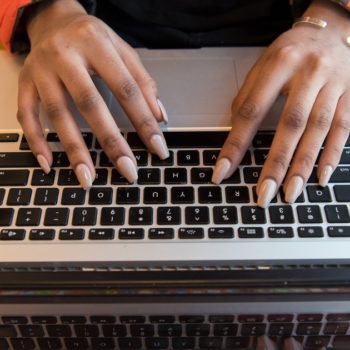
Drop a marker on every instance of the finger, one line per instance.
(129, 95)
(52, 96)
(92, 106)
(336, 140)
(250, 106)
(28, 117)
(310, 144)
(302, 95)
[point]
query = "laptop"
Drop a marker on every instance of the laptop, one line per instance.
(228, 280)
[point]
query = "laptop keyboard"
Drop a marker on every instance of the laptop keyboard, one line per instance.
(227, 331)
(173, 199)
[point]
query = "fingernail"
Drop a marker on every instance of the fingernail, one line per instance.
(84, 176)
(326, 174)
(160, 147)
(163, 111)
(293, 189)
(127, 168)
(267, 192)
(44, 164)
(220, 171)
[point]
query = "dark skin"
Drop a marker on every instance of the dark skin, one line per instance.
(308, 64)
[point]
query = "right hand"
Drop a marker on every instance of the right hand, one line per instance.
(67, 47)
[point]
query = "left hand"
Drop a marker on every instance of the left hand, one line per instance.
(311, 66)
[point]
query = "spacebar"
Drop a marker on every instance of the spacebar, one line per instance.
(17, 160)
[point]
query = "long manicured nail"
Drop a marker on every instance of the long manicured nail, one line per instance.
(265, 343)
(163, 111)
(267, 192)
(127, 168)
(221, 169)
(44, 164)
(84, 176)
(326, 174)
(160, 147)
(292, 344)
(294, 188)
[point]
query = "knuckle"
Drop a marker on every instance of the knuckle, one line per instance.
(128, 89)
(52, 46)
(87, 100)
(278, 162)
(288, 54)
(294, 119)
(73, 149)
(319, 62)
(111, 142)
(305, 161)
(248, 111)
(322, 118)
(54, 109)
(87, 28)
(343, 124)
(147, 124)
(236, 145)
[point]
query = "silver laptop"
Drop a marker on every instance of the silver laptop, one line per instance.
(174, 218)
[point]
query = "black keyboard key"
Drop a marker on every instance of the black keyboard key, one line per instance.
(6, 216)
(59, 330)
(281, 214)
(130, 343)
(12, 235)
(247, 159)
(56, 217)
(225, 215)
(210, 157)
(250, 318)
(102, 319)
(225, 329)
(253, 215)
(103, 343)
(24, 146)
(281, 329)
(18, 160)
(148, 176)
(131, 233)
(49, 343)
(118, 179)
(162, 319)
(52, 137)
(128, 195)
(209, 194)
(112, 216)
(101, 177)
(250, 232)
(309, 214)
(84, 216)
(19, 196)
(251, 174)
(190, 157)
(2, 195)
(100, 195)
(40, 178)
(31, 331)
(73, 196)
(191, 318)
(161, 233)
(263, 140)
(42, 235)
(76, 343)
(175, 176)
(337, 213)
(338, 317)
(336, 328)
(86, 330)
(237, 194)
(22, 343)
(345, 156)
(9, 137)
(310, 231)
(221, 318)
(155, 195)
(338, 231)
(191, 233)
(67, 177)
(238, 343)
(140, 216)
(87, 136)
(115, 330)
(198, 330)
(170, 330)
(260, 156)
(168, 215)
(141, 158)
(71, 234)
(101, 234)
(341, 174)
(132, 319)
(317, 341)
(59, 160)
(198, 215)
(280, 232)
(253, 329)
(44, 319)
(342, 193)
(142, 330)
(14, 320)
(156, 161)
(318, 194)
(183, 343)
(72, 319)
(7, 331)
(341, 342)
(104, 160)
(46, 196)
(156, 343)
(308, 328)
(210, 342)
(281, 318)
(235, 178)
(220, 232)
(201, 175)
(182, 195)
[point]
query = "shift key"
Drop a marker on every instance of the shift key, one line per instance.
(18, 160)
(13, 177)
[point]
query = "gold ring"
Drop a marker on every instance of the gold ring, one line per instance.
(311, 20)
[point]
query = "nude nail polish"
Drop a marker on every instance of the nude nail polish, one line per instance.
(84, 176)
(221, 169)
(44, 164)
(159, 146)
(127, 168)
(291, 344)
(325, 175)
(163, 111)
(294, 188)
(267, 192)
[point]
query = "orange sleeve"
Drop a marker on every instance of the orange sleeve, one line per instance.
(9, 10)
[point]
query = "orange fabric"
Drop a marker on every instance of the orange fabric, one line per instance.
(8, 15)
